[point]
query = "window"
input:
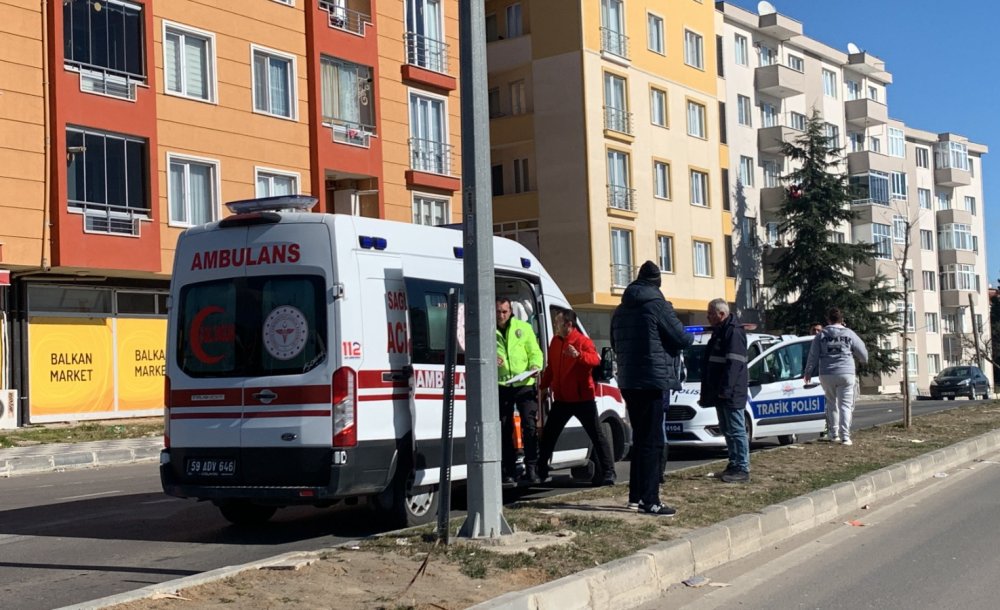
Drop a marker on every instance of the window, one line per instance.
(897, 185)
(872, 187)
(493, 102)
(514, 20)
(924, 197)
(897, 143)
(429, 150)
(873, 93)
(696, 120)
(746, 171)
(856, 140)
(347, 99)
(944, 200)
(933, 364)
(832, 133)
(271, 183)
(726, 204)
(496, 179)
(518, 98)
(970, 205)
(748, 292)
(192, 191)
(853, 89)
(621, 257)
(798, 121)
(882, 238)
(661, 180)
(911, 360)
(188, 58)
(702, 259)
(616, 114)
(958, 277)
(926, 240)
(728, 256)
(665, 253)
(768, 115)
(654, 33)
(837, 237)
(521, 178)
(766, 55)
(430, 211)
(613, 38)
(723, 134)
(955, 236)
(796, 63)
(693, 50)
(899, 229)
(875, 144)
(109, 39)
(930, 322)
(953, 155)
(923, 156)
(772, 233)
(772, 173)
(273, 83)
(829, 83)
(427, 302)
(425, 46)
(699, 188)
(783, 364)
(107, 180)
(744, 110)
(492, 30)
(620, 195)
(720, 66)
(741, 50)
(658, 107)
(949, 322)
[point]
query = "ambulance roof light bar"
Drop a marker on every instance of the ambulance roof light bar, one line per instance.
(280, 203)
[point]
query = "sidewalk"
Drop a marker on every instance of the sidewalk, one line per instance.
(52, 457)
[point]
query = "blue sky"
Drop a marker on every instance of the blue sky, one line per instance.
(942, 57)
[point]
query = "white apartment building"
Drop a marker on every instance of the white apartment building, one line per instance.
(775, 78)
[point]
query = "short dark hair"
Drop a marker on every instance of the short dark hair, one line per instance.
(835, 316)
(567, 314)
(502, 300)
(811, 324)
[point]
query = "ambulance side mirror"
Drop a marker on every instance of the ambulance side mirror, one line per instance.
(606, 369)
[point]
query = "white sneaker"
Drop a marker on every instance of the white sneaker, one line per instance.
(847, 442)
(633, 505)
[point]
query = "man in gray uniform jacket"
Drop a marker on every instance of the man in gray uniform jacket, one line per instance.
(833, 351)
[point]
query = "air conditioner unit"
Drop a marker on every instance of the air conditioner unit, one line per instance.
(8, 409)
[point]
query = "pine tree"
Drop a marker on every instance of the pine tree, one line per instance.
(816, 272)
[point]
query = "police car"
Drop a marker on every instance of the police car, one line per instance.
(779, 403)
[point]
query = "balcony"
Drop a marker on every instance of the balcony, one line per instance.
(869, 65)
(954, 215)
(956, 298)
(621, 198)
(430, 156)
(865, 112)
(109, 219)
(771, 200)
(340, 17)
(105, 81)
(779, 26)
(351, 133)
(507, 54)
(957, 257)
(779, 81)
(771, 139)
(951, 176)
(614, 43)
(617, 120)
(622, 275)
(427, 62)
(864, 161)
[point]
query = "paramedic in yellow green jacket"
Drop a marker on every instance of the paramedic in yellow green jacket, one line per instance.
(517, 352)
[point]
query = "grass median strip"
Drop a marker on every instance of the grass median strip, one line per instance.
(81, 432)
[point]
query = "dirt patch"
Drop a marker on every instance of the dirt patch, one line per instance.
(377, 574)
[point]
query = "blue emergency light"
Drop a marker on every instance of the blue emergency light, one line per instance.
(457, 250)
(526, 262)
(694, 329)
(368, 243)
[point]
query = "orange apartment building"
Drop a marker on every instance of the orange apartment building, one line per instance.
(124, 122)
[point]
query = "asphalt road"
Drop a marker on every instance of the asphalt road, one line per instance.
(75, 536)
(925, 549)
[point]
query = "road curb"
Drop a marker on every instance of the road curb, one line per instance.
(75, 460)
(709, 547)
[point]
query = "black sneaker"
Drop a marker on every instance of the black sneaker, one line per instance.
(736, 476)
(607, 481)
(658, 509)
(530, 476)
(508, 482)
(722, 473)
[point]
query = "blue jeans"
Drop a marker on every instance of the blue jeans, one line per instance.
(734, 427)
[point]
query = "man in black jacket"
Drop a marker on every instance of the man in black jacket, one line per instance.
(724, 386)
(646, 337)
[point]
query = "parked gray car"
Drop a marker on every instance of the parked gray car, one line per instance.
(965, 380)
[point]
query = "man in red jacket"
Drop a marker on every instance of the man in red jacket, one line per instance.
(571, 358)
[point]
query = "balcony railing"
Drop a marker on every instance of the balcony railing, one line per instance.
(430, 156)
(109, 219)
(621, 197)
(105, 81)
(618, 119)
(426, 53)
(621, 275)
(343, 18)
(349, 132)
(614, 42)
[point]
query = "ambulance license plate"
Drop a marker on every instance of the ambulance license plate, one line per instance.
(674, 428)
(211, 467)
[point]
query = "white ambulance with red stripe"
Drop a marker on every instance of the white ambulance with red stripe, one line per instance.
(305, 361)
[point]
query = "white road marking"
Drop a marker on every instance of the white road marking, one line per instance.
(94, 495)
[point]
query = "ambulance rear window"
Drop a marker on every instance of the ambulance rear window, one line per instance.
(246, 327)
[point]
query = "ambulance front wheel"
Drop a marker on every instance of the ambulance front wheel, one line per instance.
(246, 514)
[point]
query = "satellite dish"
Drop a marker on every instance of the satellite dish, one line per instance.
(852, 48)
(765, 8)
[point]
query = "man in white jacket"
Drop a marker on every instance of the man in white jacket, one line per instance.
(833, 351)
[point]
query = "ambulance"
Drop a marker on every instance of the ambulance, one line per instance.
(306, 356)
(779, 404)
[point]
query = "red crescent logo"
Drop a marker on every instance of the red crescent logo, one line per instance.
(196, 347)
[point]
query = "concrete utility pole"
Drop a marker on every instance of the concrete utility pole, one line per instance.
(482, 427)
(975, 331)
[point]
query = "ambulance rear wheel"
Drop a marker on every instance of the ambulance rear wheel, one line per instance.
(246, 514)
(413, 506)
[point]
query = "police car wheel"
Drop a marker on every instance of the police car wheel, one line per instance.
(246, 514)
(787, 439)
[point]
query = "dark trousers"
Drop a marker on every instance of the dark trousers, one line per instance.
(526, 400)
(645, 412)
(586, 412)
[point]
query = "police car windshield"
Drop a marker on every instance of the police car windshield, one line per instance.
(692, 363)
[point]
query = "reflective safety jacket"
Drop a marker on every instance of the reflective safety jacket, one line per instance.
(519, 349)
(724, 366)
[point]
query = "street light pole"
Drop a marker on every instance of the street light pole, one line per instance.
(482, 428)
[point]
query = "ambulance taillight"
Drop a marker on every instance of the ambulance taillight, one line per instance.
(345, 408)
(166, 412)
